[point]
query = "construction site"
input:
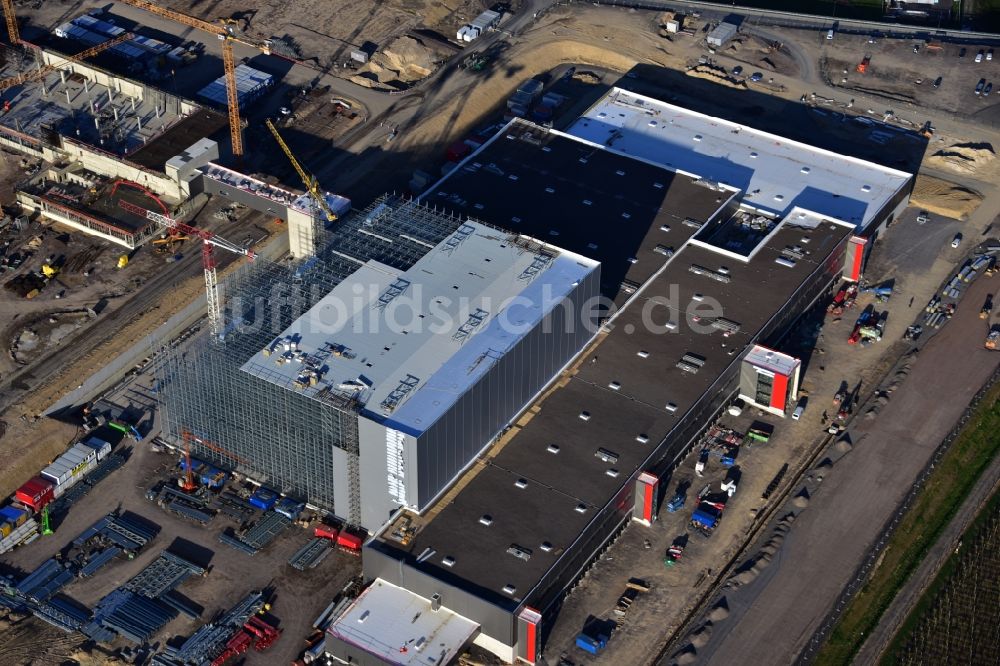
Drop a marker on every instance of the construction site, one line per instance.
(317, 329)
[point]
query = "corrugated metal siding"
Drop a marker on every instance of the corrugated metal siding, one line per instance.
(454, 440)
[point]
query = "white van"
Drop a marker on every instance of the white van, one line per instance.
(829, 34)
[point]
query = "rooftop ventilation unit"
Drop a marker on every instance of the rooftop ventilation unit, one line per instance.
(689, 222)
(727, 326)
(606, 456)
(519, 552)
(718, 276)
(486, 520)
(664, 250)
(691, 363)
(629, 286)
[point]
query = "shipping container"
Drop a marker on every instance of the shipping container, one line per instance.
(35, 494)
(70, 467)
(326, 532)
(13, 515)
(100, 446)
(264, 499)
(349, 542)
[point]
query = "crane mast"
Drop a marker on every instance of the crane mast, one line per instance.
(309, 180)
(12, 31)
(226, 32)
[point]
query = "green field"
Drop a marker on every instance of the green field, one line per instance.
(970, 453)
(956, 618)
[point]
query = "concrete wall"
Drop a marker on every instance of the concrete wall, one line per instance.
(116, 167)
(301, 233)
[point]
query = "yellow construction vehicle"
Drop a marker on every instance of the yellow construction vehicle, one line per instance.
(122, 261)
(309, 180)
(168, 243)
(49, 271)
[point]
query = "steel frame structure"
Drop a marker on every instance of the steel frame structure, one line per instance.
(261, 426)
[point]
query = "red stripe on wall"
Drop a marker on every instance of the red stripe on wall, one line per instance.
(529, 653)
(859, 253)
(779, 389)
(647, 504)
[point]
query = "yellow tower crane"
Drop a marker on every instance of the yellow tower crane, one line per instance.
(43, 71)
(309, 180)
(225, 30)
(12, 31)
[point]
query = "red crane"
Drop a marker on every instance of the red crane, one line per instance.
(209, 242)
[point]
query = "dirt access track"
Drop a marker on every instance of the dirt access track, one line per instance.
(328, 30)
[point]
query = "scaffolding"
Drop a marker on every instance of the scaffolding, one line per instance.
(262, 426)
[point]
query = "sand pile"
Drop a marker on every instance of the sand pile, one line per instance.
(403, 62)
(963, 157)
(943, 197)
(716, 75)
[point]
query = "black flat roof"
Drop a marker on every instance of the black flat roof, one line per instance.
(624, 397)
(174, 141)
(582, 198)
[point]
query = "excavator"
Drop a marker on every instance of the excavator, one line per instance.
(168, 243)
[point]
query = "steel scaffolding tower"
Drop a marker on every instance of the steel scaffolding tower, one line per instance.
(264, 427)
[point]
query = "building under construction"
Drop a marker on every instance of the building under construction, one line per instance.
(368, 377)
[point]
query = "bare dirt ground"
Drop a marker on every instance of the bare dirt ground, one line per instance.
(328, 30)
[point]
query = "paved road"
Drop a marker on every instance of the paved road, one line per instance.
(919, 580)
(778, 613)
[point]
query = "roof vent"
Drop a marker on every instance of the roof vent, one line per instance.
(515, 219)
(546, 547)
(753, 156)
(613, 473)
(580, 508)
(805, 169)
(785, 261)
(779, 197)
(364, 616)
(658, 186)
(486, 519)
(550, 190)
(691, 363)
(521, 483)
(866, 188)
(626, 216)
(664, 227)
(642, 353)
(697, 297)
(642, 438)
(607, 456)
(591, 246)
(448, 561)
(619, 172)
(512, 176)
(671, 407)
(519, 552)
(553, 448)
(509, 589)
(585, 416)
(697, 137)
(615, 386)
(587, 202)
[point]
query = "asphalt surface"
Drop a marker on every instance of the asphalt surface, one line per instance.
(821, 552)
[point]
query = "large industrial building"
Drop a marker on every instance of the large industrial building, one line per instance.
(697, 273)
(367, 378)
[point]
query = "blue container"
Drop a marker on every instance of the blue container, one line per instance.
(14, 516)
(264, 499)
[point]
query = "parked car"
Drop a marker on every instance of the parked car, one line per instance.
(923, 217)
(957, 240)
(937, 81)
(737, 70)
(979, 56)
(980, 86)
(756, 76)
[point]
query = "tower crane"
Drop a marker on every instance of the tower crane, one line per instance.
(309, 180)
(209, 242)
(225, 30)
(12, 31)
(43, 71)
